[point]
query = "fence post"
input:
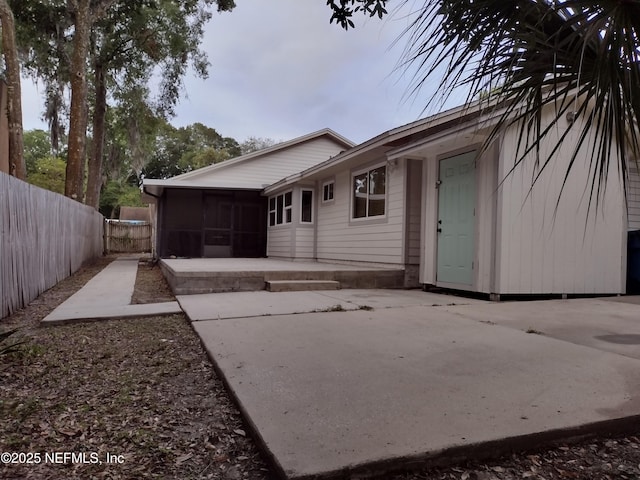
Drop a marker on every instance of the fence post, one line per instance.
(105, 240)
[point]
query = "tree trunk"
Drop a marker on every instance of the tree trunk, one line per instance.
(14, 97)
(86, 15)
(78, 113)
(94, 181)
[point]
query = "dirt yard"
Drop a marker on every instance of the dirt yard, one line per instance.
(144, 392)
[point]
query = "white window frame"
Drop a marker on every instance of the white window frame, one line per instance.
(368, 170)
(332, 184)
(286, 211)
(302, 190)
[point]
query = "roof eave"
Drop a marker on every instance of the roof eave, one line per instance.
(455, 115)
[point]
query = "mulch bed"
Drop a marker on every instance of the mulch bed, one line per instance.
(141, 388)
(144, 389)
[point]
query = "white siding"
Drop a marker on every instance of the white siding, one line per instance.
(414, 203)
(486, 184)
(633, 197)
(269, 168)
(304, 243)
(430, 215)
(569, 250)
(279, 241)
(294, 240)
(377, 240)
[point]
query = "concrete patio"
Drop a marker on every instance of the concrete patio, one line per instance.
(399, 379)
(209, 275)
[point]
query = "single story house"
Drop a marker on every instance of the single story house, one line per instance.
(219, 210)
(425, 197)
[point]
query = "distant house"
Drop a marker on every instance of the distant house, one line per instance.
(423, 198)
(219, 210)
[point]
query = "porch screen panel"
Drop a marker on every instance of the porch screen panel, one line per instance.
(182, 224)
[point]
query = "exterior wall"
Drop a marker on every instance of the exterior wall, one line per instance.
(486, 204)
(413, 222)
(304, 243)
(569, 247)
(295, 240)
(271, 167)
(414, 209)
(376, 240)
(633, 196)
(279, 241)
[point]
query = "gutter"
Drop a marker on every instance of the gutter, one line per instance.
(144, 190)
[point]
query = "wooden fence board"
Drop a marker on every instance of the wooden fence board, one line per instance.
(44, 238)
(121, 237)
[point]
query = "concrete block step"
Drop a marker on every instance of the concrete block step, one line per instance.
(301, 285)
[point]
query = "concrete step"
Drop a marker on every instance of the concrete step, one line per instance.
(301, 285)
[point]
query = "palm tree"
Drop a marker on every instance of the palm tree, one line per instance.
(580, 56)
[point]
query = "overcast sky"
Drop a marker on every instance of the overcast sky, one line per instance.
(280, 70)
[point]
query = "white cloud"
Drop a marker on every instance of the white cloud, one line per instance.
(280, 70)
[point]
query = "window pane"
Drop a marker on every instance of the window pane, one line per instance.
(360, 196)
(287, 199)
(288, 213)
(279, 209)
(360, 184)
(272, 203)
(360, 208)
(307, 203)
(376, 207)
(377, 188)
(327, 192)
(378, 180)
(272, 218)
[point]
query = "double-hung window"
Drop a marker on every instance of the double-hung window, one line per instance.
(327, 191)
(306, 206)
(280, 209)
(369, 192)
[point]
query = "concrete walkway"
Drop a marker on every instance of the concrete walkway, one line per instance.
(108, 295)
(217, 306)
(419, 377)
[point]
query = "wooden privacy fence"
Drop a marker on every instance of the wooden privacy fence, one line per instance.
(44, 238)
(126, 236)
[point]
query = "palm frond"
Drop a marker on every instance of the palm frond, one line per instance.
(523, 57)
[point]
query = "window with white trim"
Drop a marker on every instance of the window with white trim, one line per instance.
(327, 191)
(306, 206)
(369, 192)
(280, 209)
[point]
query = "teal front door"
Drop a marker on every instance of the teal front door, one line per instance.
(456, 219)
